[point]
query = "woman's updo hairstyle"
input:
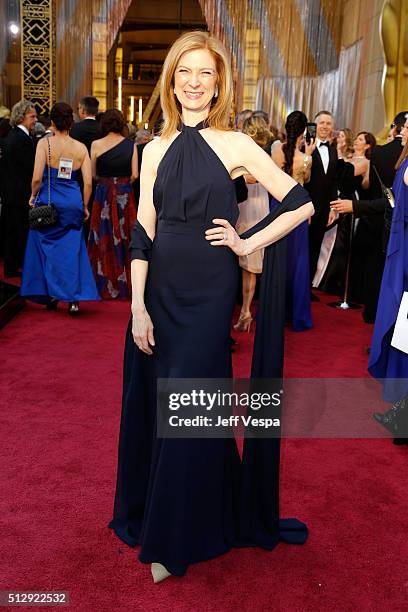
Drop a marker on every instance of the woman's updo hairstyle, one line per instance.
(257, 128)
(62, 116)
(295, 126)
(113, 120)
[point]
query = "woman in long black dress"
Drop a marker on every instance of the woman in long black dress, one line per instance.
(187, 500)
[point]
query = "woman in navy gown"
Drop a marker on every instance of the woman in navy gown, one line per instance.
(56, 264)
(115, 168)
(187, 500)
(292, 160)
(387, 363)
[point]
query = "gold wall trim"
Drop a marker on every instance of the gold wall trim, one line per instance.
(38, 52)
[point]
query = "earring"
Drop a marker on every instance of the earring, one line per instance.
(216, 93)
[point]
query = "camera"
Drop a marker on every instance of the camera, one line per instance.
(311, 132)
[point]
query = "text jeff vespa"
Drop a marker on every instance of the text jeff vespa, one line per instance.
(210, 401)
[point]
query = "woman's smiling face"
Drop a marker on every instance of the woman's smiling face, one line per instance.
(195, 79)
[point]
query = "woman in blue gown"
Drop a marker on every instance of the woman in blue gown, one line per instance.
(56, 263)
(387, 363)
(187, 500)
(292, 160)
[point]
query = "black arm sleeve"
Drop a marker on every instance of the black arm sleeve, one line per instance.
(140, 243)
(369, 207)
(241, 189)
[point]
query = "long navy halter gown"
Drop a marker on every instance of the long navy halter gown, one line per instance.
(187, 500)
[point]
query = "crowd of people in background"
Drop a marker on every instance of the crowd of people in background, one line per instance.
(343, 174)
(85, 253)
(336, 167)
(109, 190)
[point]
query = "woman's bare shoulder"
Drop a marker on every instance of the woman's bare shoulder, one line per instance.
(99, 142)
(236, 138)
(156, 148)
(42, 144)
(237, 143)
(153, 145)
(80, 147)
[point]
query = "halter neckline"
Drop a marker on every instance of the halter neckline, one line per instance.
(197, 127)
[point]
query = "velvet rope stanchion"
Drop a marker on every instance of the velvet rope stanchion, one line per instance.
(345, 305)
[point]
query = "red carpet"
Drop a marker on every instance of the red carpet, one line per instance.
(60, 419)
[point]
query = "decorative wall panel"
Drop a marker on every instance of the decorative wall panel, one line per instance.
(37, 52)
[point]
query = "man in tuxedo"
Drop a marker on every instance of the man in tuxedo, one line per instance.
(19, 165)
(322, 184)
(87, 129)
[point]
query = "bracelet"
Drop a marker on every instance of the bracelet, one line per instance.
(306, 160)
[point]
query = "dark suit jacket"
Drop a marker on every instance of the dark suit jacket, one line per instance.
(19, 166)
(384, 159)
(376, 214)
(323, 186)
(86, 131)
(370, 207)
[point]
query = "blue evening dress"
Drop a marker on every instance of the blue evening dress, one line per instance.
(387, 363)
(56, 262)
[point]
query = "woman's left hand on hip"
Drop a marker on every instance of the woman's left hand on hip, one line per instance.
(225, 235)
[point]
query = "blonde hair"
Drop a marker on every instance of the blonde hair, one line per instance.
(257, 128)
(221, 106)
(349, 139)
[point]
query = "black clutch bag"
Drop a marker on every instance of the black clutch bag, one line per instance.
(44, 215)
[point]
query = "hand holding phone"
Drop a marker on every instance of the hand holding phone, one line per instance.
(311, 132)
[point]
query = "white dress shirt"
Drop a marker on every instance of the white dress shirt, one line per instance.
(324, 154)
(25, 130)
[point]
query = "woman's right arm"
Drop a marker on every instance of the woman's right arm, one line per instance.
(94, 147)
(142, 327)
(39, 165)
(87, 180)
(277, 154)
(360, 166)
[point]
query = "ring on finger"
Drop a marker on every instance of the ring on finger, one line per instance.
(225, 236)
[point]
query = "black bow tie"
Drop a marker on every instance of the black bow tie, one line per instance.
(324, 144)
